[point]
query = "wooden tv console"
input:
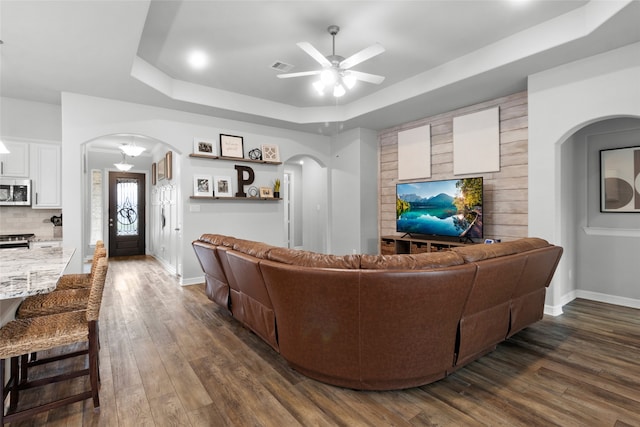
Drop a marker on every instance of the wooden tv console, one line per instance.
(390, 245)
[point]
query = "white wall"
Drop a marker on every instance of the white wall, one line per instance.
(354, 190)
(86, 118)
(561, 101)
(30, 120)
(315, 206)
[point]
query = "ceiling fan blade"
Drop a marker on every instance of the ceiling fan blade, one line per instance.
(363, 55)
(300, 74)
(314, 53)
(366, 77)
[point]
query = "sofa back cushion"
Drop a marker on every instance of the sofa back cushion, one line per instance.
(473, 253)
(312, 259)
(218, 239)
(422, 261)
(249, 247)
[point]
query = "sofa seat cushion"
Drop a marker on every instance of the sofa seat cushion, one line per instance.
(422, 261)
(313, 259)
(474, 253)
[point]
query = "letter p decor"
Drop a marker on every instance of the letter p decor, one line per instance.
(241, 179)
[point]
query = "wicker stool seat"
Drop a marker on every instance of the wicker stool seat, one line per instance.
(53, 303)
(81, 280)
(21, 337)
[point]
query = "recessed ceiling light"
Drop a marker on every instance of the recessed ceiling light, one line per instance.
(198, 59)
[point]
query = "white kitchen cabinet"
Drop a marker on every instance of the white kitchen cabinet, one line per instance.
(16, 162)
(46, 177)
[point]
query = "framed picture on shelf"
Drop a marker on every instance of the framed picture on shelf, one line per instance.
(161, 169)
(222, 186)
(266, 192)
(270, 153)
(231, 146)
(204, 147)
(154, 173)
(168, 171)
(620, 180)
(202, 185)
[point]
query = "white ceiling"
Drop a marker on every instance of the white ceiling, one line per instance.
(440, 55)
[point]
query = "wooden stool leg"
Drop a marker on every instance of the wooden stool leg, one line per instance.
(94, 373)
(13, 399)
(4, 391)
(24, 368)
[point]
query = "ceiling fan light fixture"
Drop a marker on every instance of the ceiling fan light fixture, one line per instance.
(349, 81)
(338, 90)
(319, 87)
(328, 76)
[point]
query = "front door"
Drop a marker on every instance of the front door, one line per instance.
(126, 214)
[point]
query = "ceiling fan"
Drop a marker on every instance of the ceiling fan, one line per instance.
(336, 73)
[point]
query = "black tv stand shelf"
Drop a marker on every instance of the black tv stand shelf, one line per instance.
(390, 245)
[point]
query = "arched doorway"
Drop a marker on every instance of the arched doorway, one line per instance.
(600, 247)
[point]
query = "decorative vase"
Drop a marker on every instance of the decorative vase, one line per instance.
(276, 194)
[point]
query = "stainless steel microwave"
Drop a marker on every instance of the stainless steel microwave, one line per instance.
(15, 192)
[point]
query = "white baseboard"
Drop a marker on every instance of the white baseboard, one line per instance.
(609, 299)
(556, 310)
(192, 281)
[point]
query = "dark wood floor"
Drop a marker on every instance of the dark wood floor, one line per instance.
(169, 356)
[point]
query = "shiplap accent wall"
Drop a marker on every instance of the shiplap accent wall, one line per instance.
(505, 207)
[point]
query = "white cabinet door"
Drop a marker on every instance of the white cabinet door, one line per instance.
(16, 162)
(46, 176)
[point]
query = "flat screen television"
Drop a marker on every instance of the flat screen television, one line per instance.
(449, 208)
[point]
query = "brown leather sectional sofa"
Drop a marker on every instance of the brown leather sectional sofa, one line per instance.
(379, 322)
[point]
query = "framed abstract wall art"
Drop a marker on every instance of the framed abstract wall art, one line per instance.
(620, 180)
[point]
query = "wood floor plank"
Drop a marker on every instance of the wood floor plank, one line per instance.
(170, 356)
(185, 382)
(167, 410)
(133, 408)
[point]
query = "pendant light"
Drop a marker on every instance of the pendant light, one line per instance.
(131, 149)
(123, 165)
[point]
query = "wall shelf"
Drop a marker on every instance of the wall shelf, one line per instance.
(233, 159)
(251, 199)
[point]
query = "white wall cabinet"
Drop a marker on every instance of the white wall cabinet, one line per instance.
(46, 192)
(16, 162)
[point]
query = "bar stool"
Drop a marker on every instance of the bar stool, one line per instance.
(82, 280)
(21, 337)
(71, 293)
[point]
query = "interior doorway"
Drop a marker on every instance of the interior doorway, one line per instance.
(126, 214)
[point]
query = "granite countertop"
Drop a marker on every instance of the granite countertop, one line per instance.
(27, 272)
(46, 239)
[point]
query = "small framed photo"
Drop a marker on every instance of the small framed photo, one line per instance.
(222, 186)
(270, 153)
(154, 173)
(231, 146)
(202, 185)
(168, 168)
(161, 170)
(266, 192)
(205, 147)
